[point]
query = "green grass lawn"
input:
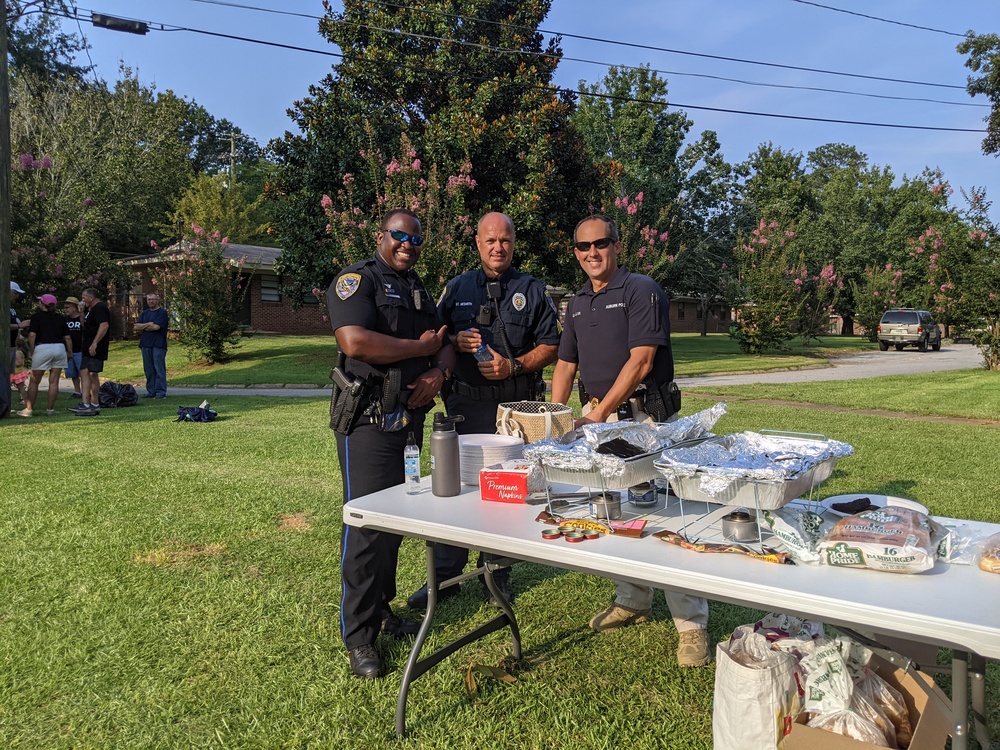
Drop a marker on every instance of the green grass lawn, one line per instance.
(169, 585)
(972, 394)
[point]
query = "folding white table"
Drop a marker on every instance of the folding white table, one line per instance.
(951, 606)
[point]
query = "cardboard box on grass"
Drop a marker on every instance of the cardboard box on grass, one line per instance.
(931, 719)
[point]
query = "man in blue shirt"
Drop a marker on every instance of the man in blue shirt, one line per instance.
(617, 335)
(153, 323)
(505, 330)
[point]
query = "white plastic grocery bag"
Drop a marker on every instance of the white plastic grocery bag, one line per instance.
(756, 693)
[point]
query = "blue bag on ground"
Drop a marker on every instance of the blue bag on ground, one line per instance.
(114, 394)
(203, 413)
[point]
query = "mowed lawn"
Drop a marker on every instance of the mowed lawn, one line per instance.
(171, 585)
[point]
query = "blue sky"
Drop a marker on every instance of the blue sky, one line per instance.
(253, 85)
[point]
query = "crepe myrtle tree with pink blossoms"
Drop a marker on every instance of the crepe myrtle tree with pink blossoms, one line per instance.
(404, 181)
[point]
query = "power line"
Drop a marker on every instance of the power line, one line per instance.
(559, 89)
(600, 40)
(876, 18)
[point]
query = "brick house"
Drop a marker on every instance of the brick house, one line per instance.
(265, 309)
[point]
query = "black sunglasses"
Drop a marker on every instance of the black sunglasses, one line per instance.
(599, 244)
(415, 239)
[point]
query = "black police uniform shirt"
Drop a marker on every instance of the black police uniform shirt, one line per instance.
(601, 328)
(528, 314)
(372, 295)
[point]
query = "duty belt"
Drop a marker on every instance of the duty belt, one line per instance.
(521, 388)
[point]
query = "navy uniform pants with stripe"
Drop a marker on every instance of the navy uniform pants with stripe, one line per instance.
(370, 460)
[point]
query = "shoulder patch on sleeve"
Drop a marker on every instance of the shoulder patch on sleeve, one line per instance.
(348, 284)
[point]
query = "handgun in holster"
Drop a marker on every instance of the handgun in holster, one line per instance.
(347, 401)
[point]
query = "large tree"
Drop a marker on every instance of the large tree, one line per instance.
(467, 81)
(984, 58)
(112, 163)
(671, 198)
(37, 43)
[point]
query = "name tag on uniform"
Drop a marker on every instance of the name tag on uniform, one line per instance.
(390, 292)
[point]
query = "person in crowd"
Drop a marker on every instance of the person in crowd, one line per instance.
(96, 329)
(74, 322)
(152, 325)
(49, 345)
(389, 336)
(510, 317)
(16, 326)
(617, 335)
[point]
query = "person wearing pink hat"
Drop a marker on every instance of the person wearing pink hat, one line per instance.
(48, 345)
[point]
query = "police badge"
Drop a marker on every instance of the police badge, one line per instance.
(348, 284)
(519, 301)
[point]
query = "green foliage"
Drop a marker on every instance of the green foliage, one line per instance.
(234, 212)
(877, 291)
(769, 305)
(984, 58)
(458, 103)
(37, 44)
(201, 288)
(669, 200)
(117, 164)
(405, 182)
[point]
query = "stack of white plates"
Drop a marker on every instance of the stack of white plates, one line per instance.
(477, 451)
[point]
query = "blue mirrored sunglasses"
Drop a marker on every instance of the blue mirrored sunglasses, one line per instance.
(415, 239)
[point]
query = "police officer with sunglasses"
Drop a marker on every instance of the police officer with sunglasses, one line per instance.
(384, 322)
(617, 334)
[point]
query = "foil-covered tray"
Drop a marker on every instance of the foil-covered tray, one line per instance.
(756, 470)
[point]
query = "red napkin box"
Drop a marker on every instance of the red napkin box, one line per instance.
(503, 485)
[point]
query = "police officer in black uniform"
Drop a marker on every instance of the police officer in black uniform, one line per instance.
(617, 333)
(385, 322)
(507, 317)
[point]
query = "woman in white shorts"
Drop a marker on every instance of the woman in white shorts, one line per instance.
(49, 344)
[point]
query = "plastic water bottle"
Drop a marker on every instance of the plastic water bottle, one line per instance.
(411, 462)
(482, 354)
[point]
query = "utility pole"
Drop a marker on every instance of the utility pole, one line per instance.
(5, 204)
(232, 157)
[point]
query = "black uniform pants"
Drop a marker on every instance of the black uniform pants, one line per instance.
(480, 418)
(370, 460)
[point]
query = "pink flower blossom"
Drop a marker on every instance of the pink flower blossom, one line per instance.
(632, 209)
(393, 167)
(664, 236)
(639, 197)
(415, 166)
(26, 161)
(46, 162)
(326, 201)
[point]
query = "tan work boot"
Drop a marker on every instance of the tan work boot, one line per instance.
(692, 648)
(617, 616)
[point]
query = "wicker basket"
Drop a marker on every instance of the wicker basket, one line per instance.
(534, 420)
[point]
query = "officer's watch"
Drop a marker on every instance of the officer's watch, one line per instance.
(516, 368)
(443, 368)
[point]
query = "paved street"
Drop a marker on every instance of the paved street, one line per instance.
(852, 367)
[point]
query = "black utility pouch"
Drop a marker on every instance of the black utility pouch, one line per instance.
(346, 401)
(674, 397)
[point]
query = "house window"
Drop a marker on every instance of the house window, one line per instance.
(270, 288)
(310, 299)
(680, 311)
(699, 313)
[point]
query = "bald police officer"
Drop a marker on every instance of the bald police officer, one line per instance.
(617, 334)
(385, 322)
(510, 314)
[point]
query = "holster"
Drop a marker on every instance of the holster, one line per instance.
(661, 401)
(347, 401)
